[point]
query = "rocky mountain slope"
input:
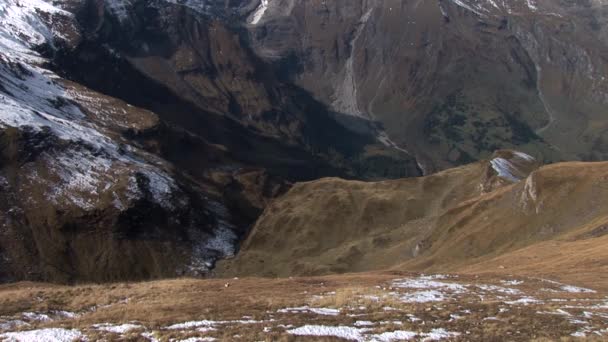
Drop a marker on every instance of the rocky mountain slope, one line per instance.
(496, 212)
(80, 199)
(131, 148)
(452, 80)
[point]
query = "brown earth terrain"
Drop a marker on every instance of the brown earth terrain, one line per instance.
(548, 221)
(388, 306)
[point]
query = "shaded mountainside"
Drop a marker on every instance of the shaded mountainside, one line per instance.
(503, 208)
(195, 71)
(129, 151)
(452, 80)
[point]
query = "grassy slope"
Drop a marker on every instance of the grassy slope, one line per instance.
(443, 222)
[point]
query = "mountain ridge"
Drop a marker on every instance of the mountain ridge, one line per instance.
(456, 219)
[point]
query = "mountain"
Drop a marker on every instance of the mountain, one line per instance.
(129, 150)
(452, 81)
(502, 212)
(81, 198)
(144, 138)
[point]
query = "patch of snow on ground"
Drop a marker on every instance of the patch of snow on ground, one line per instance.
(429, 282)
(438, 334)
(361, 334)
(197, 339)
(568, 288)
(318, 311)
(398, 335)
(512, 282)
(576, 289)
(493, 288)
(12, 324)
(34, 316)
(579, 334)
(363, 323)
(192, 324)
(66, 314)
(524, 301)
(344, 332)
(150, 336)
(43, 335)
(423, 297)
(207, 325)
(118, 329)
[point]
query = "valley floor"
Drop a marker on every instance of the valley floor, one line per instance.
(388, 306)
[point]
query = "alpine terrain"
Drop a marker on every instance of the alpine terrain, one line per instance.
(293, 170)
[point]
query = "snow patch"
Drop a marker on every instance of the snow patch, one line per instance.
(363, 323)
(259, 12)
(439, 334)
(12, 324)
(512, 282)
(398, 335)
(505, 169)
(423, 297)
(304, 309)
(197, 339)
(500, 289)
(361, 334)
(429, 282)
(524, 301)
(207, 325)
(118, 329)
(33, 316)
(344, 332)
(43, 335)
(192, 324)
(576, 289)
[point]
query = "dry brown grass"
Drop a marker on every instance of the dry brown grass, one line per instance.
(159, 304)
(372, 298)
(551, 224)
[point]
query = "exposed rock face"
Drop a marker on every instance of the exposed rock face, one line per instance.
(452, 81)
